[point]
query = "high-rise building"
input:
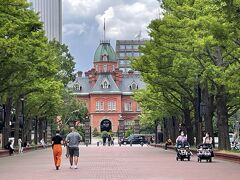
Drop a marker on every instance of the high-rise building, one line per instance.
(126, 49)
(50, 12)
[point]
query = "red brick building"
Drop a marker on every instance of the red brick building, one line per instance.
(108, 91)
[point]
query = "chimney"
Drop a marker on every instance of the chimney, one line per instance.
(79, 74)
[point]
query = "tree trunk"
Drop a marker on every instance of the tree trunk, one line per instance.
(222, 118)
(175, 127)
(36, 131)
(208, 100)
(40, 128)
(188, 125)
(165, 129)
(17, 123)
(198, 121)
(7, 129)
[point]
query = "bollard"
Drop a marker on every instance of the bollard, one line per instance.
(97, 143)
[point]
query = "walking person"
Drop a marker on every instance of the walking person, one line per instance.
(11, 148)
(43, 143)
(109, 140)
(112, 141)
(57, 142)
(73, 139)
(20, 146)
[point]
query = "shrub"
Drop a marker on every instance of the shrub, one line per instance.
(95, 133)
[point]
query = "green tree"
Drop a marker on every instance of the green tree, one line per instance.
(31, 67)
(195, 44)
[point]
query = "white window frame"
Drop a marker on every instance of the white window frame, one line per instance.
(125, 106)
(130, 106)
(101, 106)
(104, 68)
(109, 105)
(105, 57)
(138, 107)
(105, 85)
(114, 105)
(97, 105)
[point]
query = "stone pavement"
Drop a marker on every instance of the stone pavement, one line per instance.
(110, 163)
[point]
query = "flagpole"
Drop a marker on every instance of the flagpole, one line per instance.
(104, 33)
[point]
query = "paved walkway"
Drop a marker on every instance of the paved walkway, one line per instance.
(110, 163)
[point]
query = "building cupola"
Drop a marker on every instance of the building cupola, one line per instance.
(105, 52)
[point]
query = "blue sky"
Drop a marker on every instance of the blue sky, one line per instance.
(83, 24)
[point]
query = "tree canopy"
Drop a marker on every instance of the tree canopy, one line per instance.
(195, 44)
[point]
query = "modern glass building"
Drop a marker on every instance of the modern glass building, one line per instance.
(126, 49)
(50, 12)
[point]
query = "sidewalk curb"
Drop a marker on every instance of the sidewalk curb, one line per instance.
(220, 155)
(5, 152)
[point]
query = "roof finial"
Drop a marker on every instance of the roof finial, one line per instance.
(104, 29)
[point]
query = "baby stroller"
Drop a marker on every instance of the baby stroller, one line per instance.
(205, 152)
(183, 151)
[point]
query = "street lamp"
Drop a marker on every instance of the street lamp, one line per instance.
(87, 129)
(21, 122)
(121, 129)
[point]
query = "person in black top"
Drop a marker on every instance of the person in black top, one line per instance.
(57, 142)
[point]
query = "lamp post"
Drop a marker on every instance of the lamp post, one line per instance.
(121, 129)
(87, 129)
(22, 122)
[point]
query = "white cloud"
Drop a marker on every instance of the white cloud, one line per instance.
(74, 29)
(82, 7)
(124, 21)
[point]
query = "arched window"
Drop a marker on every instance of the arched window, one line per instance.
(134, 86)
(105, 85)
(104, 68)
(105, 57)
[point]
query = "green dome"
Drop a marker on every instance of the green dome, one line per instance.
(104, 52)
